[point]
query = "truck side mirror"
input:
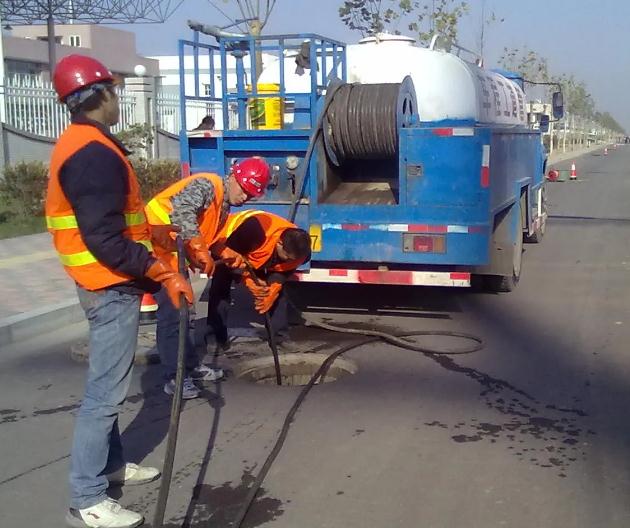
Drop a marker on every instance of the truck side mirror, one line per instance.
(558, 105)
(544, 124)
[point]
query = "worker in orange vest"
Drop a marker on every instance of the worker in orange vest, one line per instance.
(273, 247)
(95, 214)
(198, 206)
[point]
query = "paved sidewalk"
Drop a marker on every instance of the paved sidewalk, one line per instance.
(559, 156)
(31, 275)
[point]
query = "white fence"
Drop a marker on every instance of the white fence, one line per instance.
(169, 113)
(31, 105)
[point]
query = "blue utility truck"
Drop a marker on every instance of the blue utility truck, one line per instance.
(407, 165)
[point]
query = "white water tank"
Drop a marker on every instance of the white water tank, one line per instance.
(447, 87)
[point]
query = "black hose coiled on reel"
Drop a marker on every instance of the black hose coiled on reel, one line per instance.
(363, 120)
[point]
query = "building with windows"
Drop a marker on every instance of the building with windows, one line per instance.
(26, 48)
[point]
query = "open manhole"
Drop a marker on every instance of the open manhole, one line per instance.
(297, 369)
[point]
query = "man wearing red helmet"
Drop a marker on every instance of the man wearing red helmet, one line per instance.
(198, 206)
(95, 214)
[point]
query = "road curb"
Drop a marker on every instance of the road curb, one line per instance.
(20, 327)
(33, 323)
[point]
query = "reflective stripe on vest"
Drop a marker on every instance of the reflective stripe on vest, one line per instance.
(158, 211)
(237, 219)
(85, 257)
(57, 223)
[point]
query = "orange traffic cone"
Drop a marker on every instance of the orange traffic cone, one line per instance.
(148, 309)
(573, 175)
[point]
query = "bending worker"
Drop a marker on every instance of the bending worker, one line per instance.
(95, 215)
(273, 246)
(198, 206)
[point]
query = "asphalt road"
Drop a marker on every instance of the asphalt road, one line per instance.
(530, 432)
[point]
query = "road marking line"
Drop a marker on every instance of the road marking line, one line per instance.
(13, 262)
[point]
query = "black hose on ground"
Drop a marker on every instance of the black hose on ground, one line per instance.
(374, 335)
(271, 340)
(176, 407)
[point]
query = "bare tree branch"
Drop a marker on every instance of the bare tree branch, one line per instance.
(213, 4)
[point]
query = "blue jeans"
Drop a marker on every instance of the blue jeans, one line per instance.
(167, 337)
(97, 449)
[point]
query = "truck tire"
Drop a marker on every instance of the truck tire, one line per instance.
(507, 283)
(537, 236)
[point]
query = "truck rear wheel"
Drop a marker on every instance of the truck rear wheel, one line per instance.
(507, 283)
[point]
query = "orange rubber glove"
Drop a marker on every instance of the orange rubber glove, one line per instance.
(259, 291)
(199, 256)
(231, 258)
(264, 304)
(161, 235)
(174, 283)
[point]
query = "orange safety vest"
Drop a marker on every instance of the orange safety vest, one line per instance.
(159, 209)
(274, 226)
(78, 261)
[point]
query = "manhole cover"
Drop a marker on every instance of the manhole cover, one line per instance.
(297, 369)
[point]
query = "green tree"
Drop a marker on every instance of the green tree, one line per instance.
(374, 16)
(526, 62)
(608, 121)
(577, 99)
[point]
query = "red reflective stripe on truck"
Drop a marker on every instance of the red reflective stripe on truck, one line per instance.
(338, 273)
(485, 177)
(424, 228)
(460, 276)
(443, 132)
(485, 166)
(185, 169)
(354, 227)
(385, 277)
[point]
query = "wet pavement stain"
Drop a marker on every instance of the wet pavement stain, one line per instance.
(154, 396)
(357, 432)
(219, 505)
(554, 434)
(10, 415)
(55, 410)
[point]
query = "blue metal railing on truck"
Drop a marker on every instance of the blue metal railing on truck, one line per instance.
(327, 58)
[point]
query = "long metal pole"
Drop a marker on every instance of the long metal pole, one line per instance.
(2, 78)
(176, 406)
(52, 52)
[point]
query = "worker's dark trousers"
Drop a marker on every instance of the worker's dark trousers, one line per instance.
(167, 337)
(219, 297)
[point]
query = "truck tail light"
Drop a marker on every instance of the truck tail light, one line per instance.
(413, 243)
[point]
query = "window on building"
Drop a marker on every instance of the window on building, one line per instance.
(75, 41)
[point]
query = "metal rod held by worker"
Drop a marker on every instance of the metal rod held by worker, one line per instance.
(173, 428)
(271, 339)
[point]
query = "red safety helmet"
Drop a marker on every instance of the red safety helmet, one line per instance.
(78, 71)
(253, 175)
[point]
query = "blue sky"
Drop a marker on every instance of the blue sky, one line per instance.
(586, 38)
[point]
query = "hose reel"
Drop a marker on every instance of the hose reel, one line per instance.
(362, 120)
